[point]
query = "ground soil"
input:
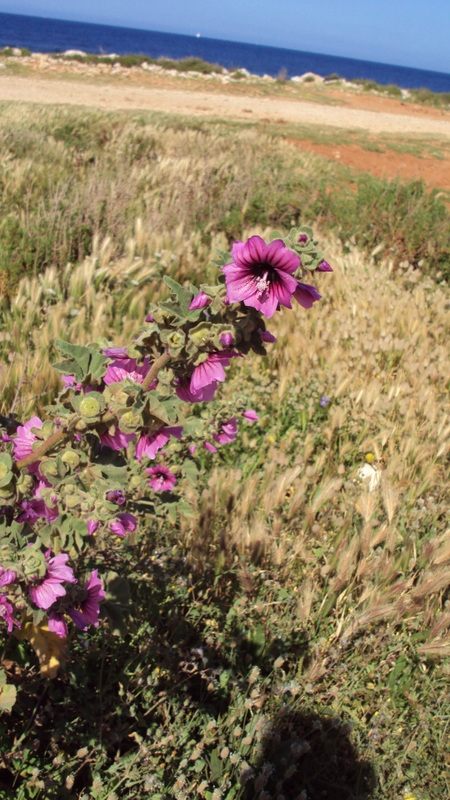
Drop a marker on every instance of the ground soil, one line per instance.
(325, 107)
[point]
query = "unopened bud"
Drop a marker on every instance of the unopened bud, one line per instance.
(89, 407)
(71, 458)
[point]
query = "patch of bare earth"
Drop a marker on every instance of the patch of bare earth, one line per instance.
(435, 172)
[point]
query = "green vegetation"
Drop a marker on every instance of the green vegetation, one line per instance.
(68, 177)
(289, 638)
(190, 64)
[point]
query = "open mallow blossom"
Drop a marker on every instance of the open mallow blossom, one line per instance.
(261, 275)
(162, 480)
(150, 443)
(47, 591)
(211, 371)
(25, 439)
(89, 607)
(86, 615)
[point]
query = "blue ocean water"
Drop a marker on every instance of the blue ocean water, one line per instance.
(53, 36)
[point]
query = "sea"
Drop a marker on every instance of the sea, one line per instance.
(44, 35)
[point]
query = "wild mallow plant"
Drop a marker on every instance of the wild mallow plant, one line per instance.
(69, 483)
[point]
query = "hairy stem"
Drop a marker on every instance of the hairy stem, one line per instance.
(159, 364)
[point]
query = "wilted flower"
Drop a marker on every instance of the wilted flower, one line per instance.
(116, 496)
(250, 414)
(306, 295)
(123, 524)
(35, 509)
(260, 274)
(92, 526)
(210, 447)
(162, 479)
(227, 433)
(7, 576)
(267, 336)
(47, 591)
(324, 267)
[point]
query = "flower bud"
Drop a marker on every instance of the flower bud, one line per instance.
(34, 564)
(71, 501)
(71, 458)
(89, 407)
(48, 468)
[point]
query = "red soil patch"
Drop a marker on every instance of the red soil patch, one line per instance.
(435, 172)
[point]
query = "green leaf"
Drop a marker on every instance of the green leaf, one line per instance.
(82, 362)
(216, 766)
(184, 296)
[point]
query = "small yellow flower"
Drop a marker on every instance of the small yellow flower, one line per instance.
(370, 458)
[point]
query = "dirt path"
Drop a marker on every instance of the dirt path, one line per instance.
(113, 96)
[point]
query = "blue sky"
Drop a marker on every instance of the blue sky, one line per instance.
(413, 33)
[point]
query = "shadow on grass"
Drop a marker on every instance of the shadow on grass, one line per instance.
(307, 756)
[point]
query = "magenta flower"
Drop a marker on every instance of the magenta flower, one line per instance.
(261, 274)
(204, 395)
(25, 439)
(192, 448)
(47, 591)
(32, 510)
(123, 524)
(324, 267)
(227, 339)
(149, 443)
(162, 480)
(57, 624)
(90, 607)
(116, 440)
(227, 433)
(92, 526)
(69, 380)
(306, 295)
(210, 447)
(7, 576)
(250, 414)
(211, 371)
(116, 496)
(303, 238)
(267, 336)
(7, 613)
(116, 352)
(199, 301)
(123, 368)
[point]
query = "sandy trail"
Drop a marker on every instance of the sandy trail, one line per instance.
(198, 103)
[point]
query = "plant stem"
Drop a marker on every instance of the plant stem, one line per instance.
(64, 433)
(159, 364)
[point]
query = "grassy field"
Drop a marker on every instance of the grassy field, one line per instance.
(289, 639)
